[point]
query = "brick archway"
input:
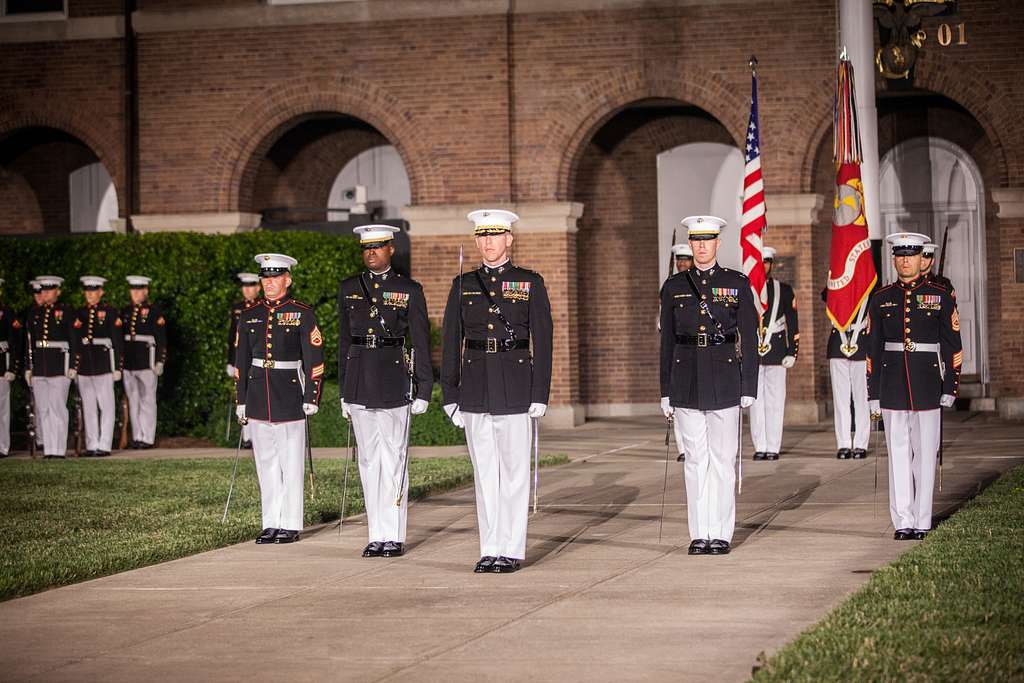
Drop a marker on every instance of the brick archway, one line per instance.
(281, 106)
(80, 123)
(978, 96)
(592, 104)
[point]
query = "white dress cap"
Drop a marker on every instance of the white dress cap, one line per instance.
(369, 234)
(92, 281)
(929, 248)
(248, 278)
(138, 281)
(50, 281)
(703, 227)
(274, 264)
(491, 221)
(768, 253)
(682, 250)
(907, 243)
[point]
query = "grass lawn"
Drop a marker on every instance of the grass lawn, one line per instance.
(951, 609)
(67, 521)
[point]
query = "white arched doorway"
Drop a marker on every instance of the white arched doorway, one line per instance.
(93, 199)
(928, 185)
(700, 178)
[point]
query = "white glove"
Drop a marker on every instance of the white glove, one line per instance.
(158, 368)
(746, 401)
(537, 409)
(231, 371)
(9, 376)
(71, 373)
(452, 411)
(788, 361)
(28, 377)
(419, 406)
(875, 407)
(666, 407)
(947, 400)
(240, 412)
(117, 375)
(310, 408)
(346, 410)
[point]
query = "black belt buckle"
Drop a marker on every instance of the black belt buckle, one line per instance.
(371, 341)
(702, 339)
(492, 345)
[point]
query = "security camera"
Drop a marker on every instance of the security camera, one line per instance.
(355, 194)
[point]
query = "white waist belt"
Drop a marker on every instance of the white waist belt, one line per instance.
(44, 344)
(144, 338)
(98, 341)
(276, 364)
(911, 346)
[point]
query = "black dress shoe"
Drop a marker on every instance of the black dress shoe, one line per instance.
(266, 536)
(286, 536)
(718, 547)
(392, 549)
(485, 564)
(145, 446)
(903, 535)
(698, 546)
(4, 455)
(681, 458)
(134, 445)
(919, 534)
(247, 444)
(373, 549)
(89, 454)
(771, 456)
(505, 565)
(760, 455)
(844, 453)
(859, 454)
(101, 454)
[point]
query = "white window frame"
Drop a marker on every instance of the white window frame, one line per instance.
(33, 16)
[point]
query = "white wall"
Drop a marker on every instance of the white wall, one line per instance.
(381, 170)
(93, 199)
(702, 178)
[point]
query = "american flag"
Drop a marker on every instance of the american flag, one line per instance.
(753, 222)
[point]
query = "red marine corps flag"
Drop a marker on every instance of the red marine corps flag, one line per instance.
(753, 222)
(851, 272)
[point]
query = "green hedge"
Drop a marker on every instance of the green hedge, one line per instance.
(193, 279)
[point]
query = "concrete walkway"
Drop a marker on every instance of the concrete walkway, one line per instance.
(600, 599)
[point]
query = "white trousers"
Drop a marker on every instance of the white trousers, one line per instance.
(98, 409)
(913, 441)
(767, 412)
(140, 385)
(710, 439)
(279, 449)
(51, 396)
(850, 378)
(382, 435)
(499, 446)
(5, 417)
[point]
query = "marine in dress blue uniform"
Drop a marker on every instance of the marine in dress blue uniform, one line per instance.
(496, 376)
(280, 363)
(145, 352)
(10, 355)
(250, 286)
(49, 369)
(708, 371)
(914, 364)
(778, 346)
(382, 382)
(99, 362)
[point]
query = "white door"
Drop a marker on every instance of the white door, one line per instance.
(927, 186)
(93, 199)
